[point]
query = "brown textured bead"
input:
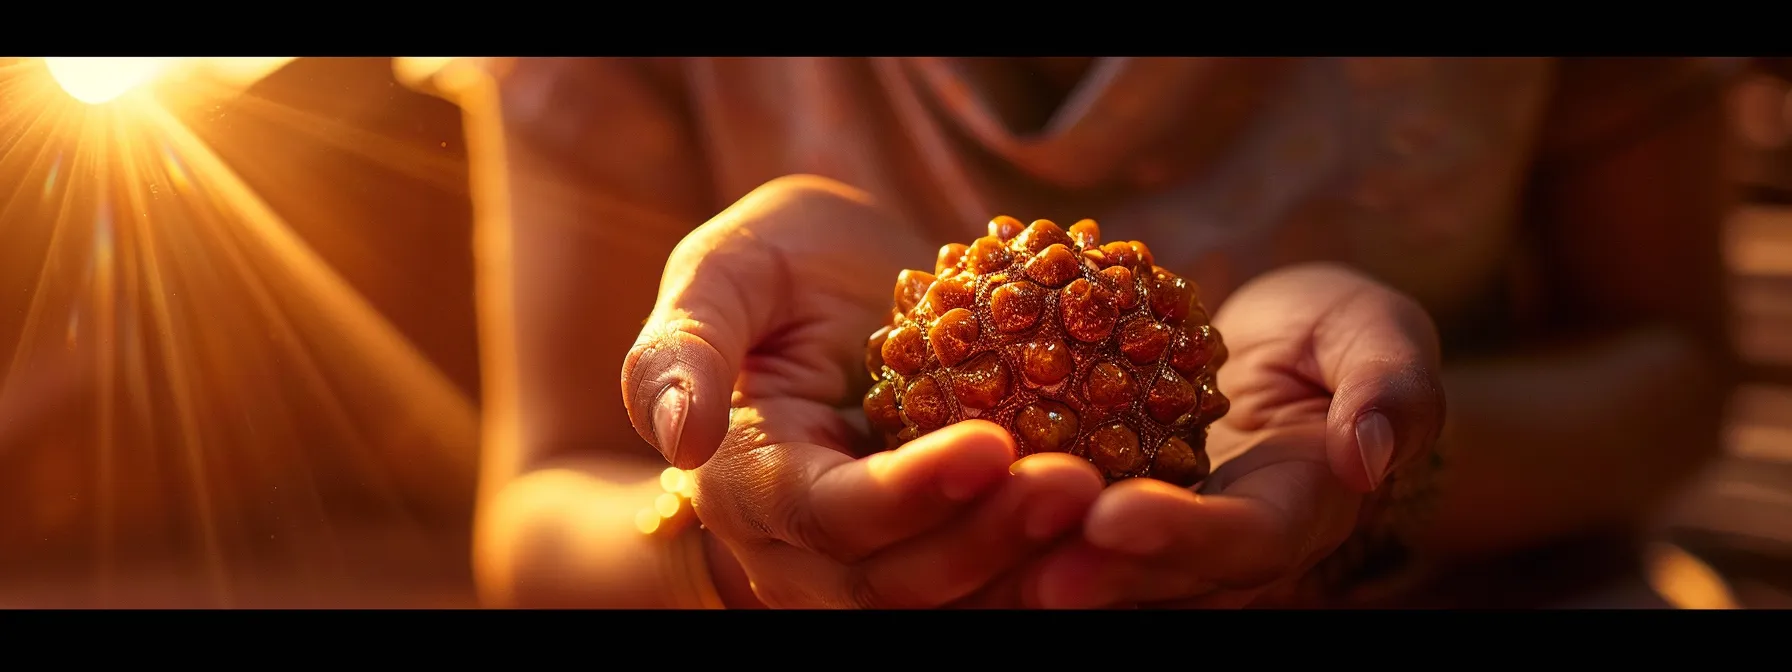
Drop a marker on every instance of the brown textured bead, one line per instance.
(1045, 427)
(1016, 306)
(1179, 463)
(1213, 404)
(1005, 228)
(1041, 234)
(958, 291)
(1115, 449)
(950, 256)
(987, 255)
(1170, 296)
(1126, 288)
(1111, 386)
(1143, 253)
(953, 336)
(911, 287)
(1060, 338)
(1170, 397)
(1089, 311)
(982, 382)
(1044, 363)
(874, 351)
(1086, 233)
(1195, 350)
(1119, 253)
(880, 407)
(1143, 340)
(925, 404)
(905, 350)
(1054, 267)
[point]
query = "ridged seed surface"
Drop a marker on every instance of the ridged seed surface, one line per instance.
(1070, 344)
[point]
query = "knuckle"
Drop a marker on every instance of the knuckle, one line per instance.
(806, 188)
(694, 246)
(764, 489)
(801, 528)
(724, 497)
(798, 199)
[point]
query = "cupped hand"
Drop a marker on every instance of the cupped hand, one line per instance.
(755, 345)
(1334, 384)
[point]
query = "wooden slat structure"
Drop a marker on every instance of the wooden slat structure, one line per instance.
(1740, 516)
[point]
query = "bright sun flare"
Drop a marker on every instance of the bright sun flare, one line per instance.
(157, 257)
(97, 80)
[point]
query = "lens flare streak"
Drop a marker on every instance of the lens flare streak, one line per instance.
(220, 367)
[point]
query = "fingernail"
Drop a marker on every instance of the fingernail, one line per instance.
(669, 412)
(1375, 440)
(1046, 521)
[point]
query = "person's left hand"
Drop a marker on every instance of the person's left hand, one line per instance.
(1334, 383)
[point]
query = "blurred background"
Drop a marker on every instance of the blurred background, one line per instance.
(1740, 518)
(288, 418)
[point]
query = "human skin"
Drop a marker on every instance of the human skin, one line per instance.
(737, 371)
(1632, 356)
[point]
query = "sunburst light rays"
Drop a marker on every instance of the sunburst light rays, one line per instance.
(221, 395)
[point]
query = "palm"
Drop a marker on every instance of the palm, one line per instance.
(813, 360)
(1328, 374)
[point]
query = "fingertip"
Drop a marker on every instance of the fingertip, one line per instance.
(984, 435)
(678, 388)
(1058, 489)
(1138, 516)
(1351, 458)
(1380, 418)
(1061, 474)
(964, 460)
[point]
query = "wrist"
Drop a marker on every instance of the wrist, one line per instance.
(594, 535)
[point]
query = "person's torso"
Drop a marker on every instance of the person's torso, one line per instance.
(1410, 169)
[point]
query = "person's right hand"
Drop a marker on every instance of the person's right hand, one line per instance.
(741, 372)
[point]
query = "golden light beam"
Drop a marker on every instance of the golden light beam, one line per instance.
(359, 331)
(212, 270)
(100, 80)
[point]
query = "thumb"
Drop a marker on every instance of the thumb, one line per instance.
(1378, 353)
(727, 287)
(716, 297)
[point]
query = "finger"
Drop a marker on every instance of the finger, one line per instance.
(1083, 576)
(724, 289)
(1046, 498)
(1379, 356)
(1374, 349)
(820, 500)
(1270, 522)
(1228, 539)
